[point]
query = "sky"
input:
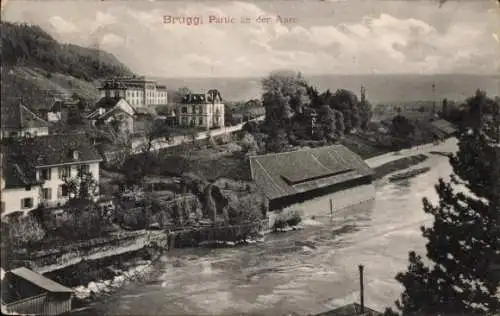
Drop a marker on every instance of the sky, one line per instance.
(315, 37)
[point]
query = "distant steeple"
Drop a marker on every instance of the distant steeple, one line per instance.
(433, 98)
(363, 94)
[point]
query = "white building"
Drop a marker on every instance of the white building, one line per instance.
(111, 110)
(201, 110)
(36, 171)
(18, 121)
(138, 91)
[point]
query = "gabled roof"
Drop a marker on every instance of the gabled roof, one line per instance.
(289, 173)
(111, 113)
(353, 309)
(40, 280)
(23, 156)
(17, 116)
(108, 102)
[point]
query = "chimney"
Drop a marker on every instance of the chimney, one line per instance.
(361, 290)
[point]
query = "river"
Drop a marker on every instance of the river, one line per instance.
(306, 271)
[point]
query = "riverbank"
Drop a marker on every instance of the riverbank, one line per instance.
(399, 164)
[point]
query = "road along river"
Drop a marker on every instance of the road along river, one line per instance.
(306, 271)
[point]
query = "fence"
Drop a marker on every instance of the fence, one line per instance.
(40, 305)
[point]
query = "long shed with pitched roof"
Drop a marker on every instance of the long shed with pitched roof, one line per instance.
(293, 177)
(27, 292)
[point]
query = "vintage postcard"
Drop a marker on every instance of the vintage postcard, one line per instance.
(252, 157)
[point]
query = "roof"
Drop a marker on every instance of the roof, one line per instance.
(18, 116)
(195, 98)
(353, 309)
(289, 173)
(108, 102)
(25, 155)
(40, 281)
(111, 113)
(444, 126)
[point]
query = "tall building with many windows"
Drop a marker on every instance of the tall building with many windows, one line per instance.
(201, 110)
(138, 91)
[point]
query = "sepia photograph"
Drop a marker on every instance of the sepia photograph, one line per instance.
(251, 157)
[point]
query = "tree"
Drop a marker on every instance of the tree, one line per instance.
(284, 95)
(179, 95)
(463, 244)
(330, 123)
(401, 129)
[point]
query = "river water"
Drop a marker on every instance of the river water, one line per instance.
(306, 271)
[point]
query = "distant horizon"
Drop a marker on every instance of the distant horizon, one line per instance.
(329, 74)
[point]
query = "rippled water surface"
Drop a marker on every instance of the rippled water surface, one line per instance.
(307, 271)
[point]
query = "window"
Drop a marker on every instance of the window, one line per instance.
(47, 194)
(45, 174)
(64, 172)
(83, 169)
(200, 121)
(193, 122)
(194, 109)
(200, 110)
(27, 203)
(28, 188)
(63, 191)
(184, 109)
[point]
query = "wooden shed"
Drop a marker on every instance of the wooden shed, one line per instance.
(27, 292)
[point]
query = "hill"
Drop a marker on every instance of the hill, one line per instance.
(34, 64)
(380, 89)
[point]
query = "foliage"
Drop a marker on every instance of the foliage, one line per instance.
(22, 229)
(179, 94)
(463, 244)
(82, 219)
(245, 209)
(284, 94)
(278, 141)
(24, 44)
(287, 218)
(249, 145)
(401, 129)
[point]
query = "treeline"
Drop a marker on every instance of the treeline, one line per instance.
(298, 114)
(29, 45)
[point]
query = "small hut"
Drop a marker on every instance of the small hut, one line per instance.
(27, 292)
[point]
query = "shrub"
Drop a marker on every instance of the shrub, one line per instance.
(23, 229)
(81, 220)
(245, 209)
(287, 218)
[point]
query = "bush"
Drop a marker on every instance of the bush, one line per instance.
(81, 219)
(246, 209)
(23, 229)
(287, 218)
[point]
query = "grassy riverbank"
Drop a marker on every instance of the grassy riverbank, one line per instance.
(399, 164)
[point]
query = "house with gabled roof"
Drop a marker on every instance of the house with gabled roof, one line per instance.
(25, 292)
(114, 111)
(35, 170)
(18, 121)
(293, 177)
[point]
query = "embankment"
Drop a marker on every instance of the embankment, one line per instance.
(399, 164)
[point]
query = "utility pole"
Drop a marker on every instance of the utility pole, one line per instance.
(361, 289)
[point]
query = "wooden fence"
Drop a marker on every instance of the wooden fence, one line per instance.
(42, 304)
